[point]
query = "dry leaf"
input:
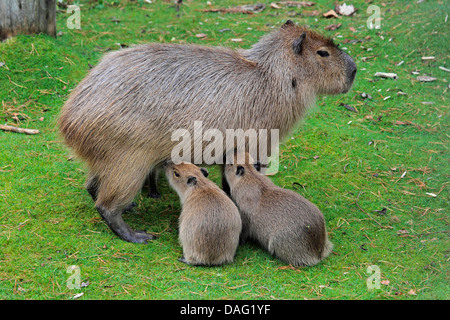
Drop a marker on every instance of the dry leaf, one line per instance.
(200, 35)
(333, 27)
(428, 58)
(412, 292)
(402, 123)
(330, 14)
(274, 6)
(246, 9)
(296, 3)
(385, 282)
(313, 13)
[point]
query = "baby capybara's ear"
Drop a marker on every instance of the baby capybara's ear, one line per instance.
(240, 171)
(204, 172)
(287, 24)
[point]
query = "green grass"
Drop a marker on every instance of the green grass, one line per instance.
(48, 222)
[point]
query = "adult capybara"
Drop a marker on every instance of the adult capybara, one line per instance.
(282, 221)
(121, 117)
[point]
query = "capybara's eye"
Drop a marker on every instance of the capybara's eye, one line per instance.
(176, 174)
(323, 53)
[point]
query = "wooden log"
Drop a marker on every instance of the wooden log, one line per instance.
(27, 17)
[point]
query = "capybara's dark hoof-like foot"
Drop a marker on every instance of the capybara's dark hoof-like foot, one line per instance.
(182, 259)
(130, 208)
(141, 236)
(154, 195)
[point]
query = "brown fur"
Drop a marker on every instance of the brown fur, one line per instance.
(280, 220)
(120, 118)
(210, 223)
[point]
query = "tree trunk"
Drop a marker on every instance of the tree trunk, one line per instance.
(27, 16)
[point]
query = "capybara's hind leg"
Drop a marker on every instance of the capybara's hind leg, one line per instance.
(115, 193)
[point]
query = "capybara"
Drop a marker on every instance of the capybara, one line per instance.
(282, 221)
(209, 223)
(121, 116)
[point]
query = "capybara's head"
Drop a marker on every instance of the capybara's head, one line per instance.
(184, 176)
(318, 60)
(242, 168)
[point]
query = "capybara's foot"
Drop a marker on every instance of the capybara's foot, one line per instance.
(140, 236)
(130, 208)
(183, 259)
(154, 194)
(121, 229)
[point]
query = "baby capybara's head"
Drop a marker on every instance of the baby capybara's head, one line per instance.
(184, 176)
(242, 170)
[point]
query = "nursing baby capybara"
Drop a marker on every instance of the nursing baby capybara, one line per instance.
(282, 221)
(209, 223)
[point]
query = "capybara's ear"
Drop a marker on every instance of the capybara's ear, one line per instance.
(240, 171)
(204, 172)
(287, 24)
(297, 45)
(257, 166)
(191, 181)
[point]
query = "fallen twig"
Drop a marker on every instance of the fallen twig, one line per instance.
(386, 75)
(246, 9)
(5, 127)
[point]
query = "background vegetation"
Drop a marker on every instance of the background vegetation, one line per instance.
(377, 166)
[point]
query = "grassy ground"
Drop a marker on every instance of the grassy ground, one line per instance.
(379, 174)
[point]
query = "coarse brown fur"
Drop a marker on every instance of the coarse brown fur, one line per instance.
(283, 222)
(209, 223)
(120, 118)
